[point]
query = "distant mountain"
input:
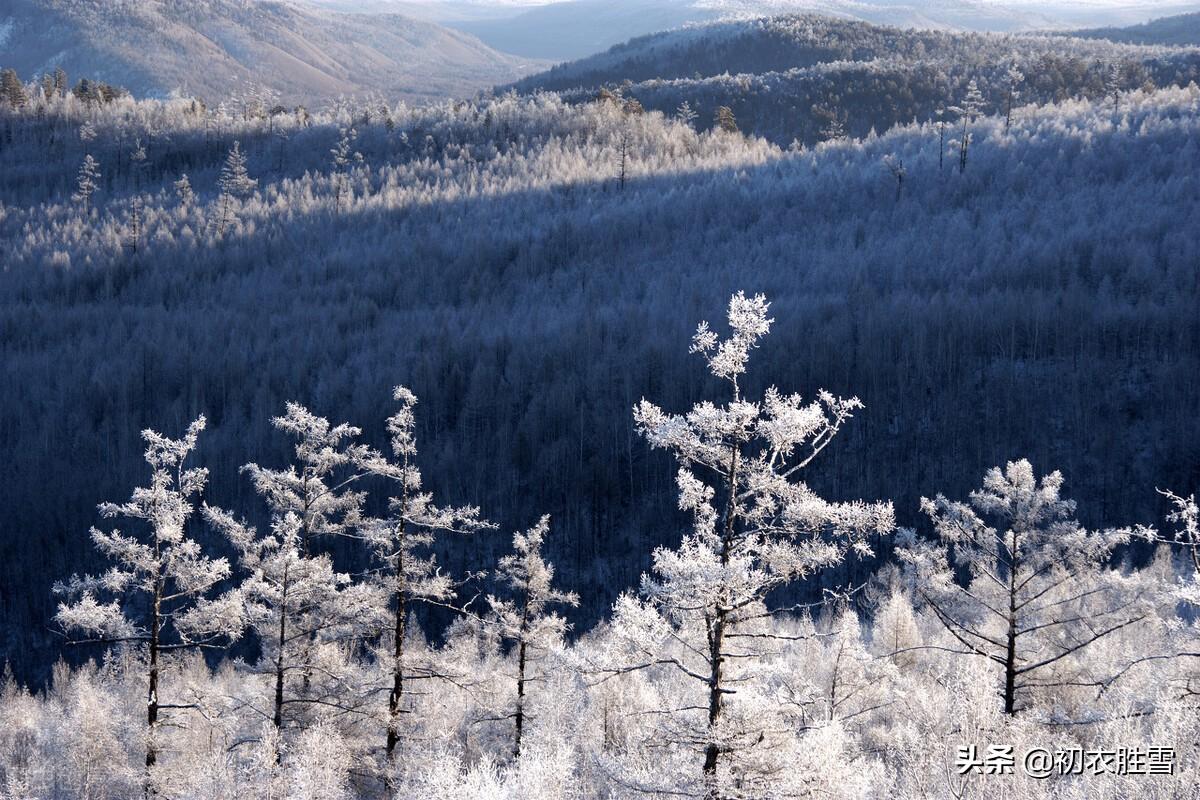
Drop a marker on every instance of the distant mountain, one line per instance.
(1183, 29)
(210, 47)
(564, 31)
(572, 29)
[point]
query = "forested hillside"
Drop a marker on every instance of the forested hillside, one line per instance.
(810, 78)
(1182, 29)
(531, 267)
(214, 49)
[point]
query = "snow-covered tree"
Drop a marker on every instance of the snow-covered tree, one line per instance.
(524, 620)
(344, 156)
(300, 607)
(756, 527)
(686, 114)
(970, 109)
(1014, 78)
(235, 184)
(183, 190)
(1037, 589)
(86, 183)
(160, 580)
(311, 489)
(402, 542)
(1114, 80)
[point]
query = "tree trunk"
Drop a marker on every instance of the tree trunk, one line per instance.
(716, 636)
(520, 718)
(716, 701)
(279, 668)
(1010, 651)
(397, 693)
(152, 692)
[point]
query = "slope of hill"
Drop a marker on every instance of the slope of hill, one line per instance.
(1182, 29)
(578, 28)
(486, 255)
(207, 47)
(564, 31)
(786, 77)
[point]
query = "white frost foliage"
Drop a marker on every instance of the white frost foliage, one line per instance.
(235, 181)
(749, 323)
(163, 564)
(319, 766)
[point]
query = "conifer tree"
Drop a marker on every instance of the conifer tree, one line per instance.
(86, 185)
(524, 620)
(164, 569)
(401, 543)
(12, 90)
(756, 528)
(1038, 590)
(725, 121)
(235, 184)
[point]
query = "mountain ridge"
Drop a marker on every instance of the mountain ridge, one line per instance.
(299, 51)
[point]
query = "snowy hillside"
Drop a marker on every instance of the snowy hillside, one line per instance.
(212, 48)
(1183, 29)
(776, 408)
(578, 28)
(799, 77)
(459, 216)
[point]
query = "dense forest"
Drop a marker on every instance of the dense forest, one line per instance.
(1181, 29)
(808, 78)
(671, 435)
(530, 266)
(1006, 650)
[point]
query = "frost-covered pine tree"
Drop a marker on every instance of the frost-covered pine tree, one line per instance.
(1014, 78)
(525, 621)
(1113, 81)
(756, 527)
(162, 576)
(344, 156)
(1038, 591)
(402, 542)
(86, 184)
(310, 489)
(296, 604)
(970, 109)
(686, 115)
(234, 183)
(183, 190)
(301, 608)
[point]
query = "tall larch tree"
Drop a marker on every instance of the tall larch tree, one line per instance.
(525, 620)
(161, 580)
(1037, 589)
(235, 184)
(402, 542)
(86, 185)
(295, 600)
(756, 528)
